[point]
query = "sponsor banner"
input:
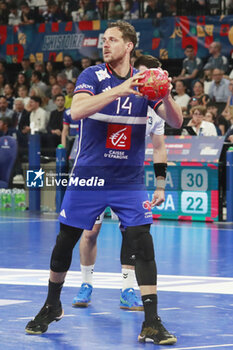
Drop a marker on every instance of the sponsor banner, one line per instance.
(188, 149)
(165, 38)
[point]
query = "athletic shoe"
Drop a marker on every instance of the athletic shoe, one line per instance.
(46, 315)
(84, 296)
(156, 333)
(130, 301)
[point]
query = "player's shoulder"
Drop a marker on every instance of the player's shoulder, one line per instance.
(153, 114)
(99, 72)
(96, 68)
(67, 111)
(67, 115)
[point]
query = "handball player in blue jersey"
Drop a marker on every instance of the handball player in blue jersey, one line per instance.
(108, 171)
(88, 244)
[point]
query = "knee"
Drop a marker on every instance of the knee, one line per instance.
(141, 242)
(91, 236)
(62, 252)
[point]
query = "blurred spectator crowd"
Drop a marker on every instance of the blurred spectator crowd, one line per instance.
(21, 12)
(37, 98)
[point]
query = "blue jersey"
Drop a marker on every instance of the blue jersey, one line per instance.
(112, 140)
(112, 149)
(73, 124)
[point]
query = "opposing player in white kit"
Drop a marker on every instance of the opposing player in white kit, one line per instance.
(88, 243)
(109, 171)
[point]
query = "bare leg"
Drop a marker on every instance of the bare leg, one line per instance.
(145, 290)
(88, 251)
(88, 246)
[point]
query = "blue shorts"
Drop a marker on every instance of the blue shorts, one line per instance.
(81, 208)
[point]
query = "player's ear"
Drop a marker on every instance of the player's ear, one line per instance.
(130, 46)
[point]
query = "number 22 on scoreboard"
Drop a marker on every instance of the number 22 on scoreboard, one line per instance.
(194, 202)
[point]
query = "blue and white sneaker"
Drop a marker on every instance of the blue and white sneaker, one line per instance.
(130, 301)
(84, 296)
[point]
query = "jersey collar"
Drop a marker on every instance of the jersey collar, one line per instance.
(128, 75)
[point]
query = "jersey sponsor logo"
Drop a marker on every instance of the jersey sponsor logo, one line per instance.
(107, 88)
(102, 74)
(63, 213)
(146, 205)
(119, 136)
(83, 86)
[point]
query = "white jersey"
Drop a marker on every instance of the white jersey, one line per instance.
(155, 124)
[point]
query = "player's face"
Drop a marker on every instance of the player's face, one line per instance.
(114, 47)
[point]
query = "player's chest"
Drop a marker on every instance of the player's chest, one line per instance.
(131, 105)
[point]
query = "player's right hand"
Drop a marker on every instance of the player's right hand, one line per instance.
(129, 86)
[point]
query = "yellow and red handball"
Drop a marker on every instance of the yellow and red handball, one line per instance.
(156, 83)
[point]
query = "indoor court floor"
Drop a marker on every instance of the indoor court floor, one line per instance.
(195, 283)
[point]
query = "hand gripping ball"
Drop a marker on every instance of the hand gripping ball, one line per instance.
(156, 83)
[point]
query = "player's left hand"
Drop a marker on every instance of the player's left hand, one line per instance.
(158, 198)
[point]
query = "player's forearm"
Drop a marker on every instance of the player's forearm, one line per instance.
(64, 135)
(173, 112)
(84, 106)
(160, 156)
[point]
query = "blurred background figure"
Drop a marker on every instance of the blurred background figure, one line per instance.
(216, 59)
(181, 98)
(199, 125)
(219, 89)
(191, 68)
(70, 70)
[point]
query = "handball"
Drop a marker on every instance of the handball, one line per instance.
(156, 83)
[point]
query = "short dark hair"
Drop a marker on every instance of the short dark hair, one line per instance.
(189, 47)
(128, 31)
(66, 55)
(38, 74)
(180, 81)
(147, 60)
(200, 82)
(36, 99)
(59, 95)
(24, 3)
(211, 103)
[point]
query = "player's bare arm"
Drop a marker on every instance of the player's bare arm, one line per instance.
(84, 105)
(159, 156)
(170, 111)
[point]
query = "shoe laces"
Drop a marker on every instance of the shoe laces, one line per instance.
(84, 288)
(131, 295)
